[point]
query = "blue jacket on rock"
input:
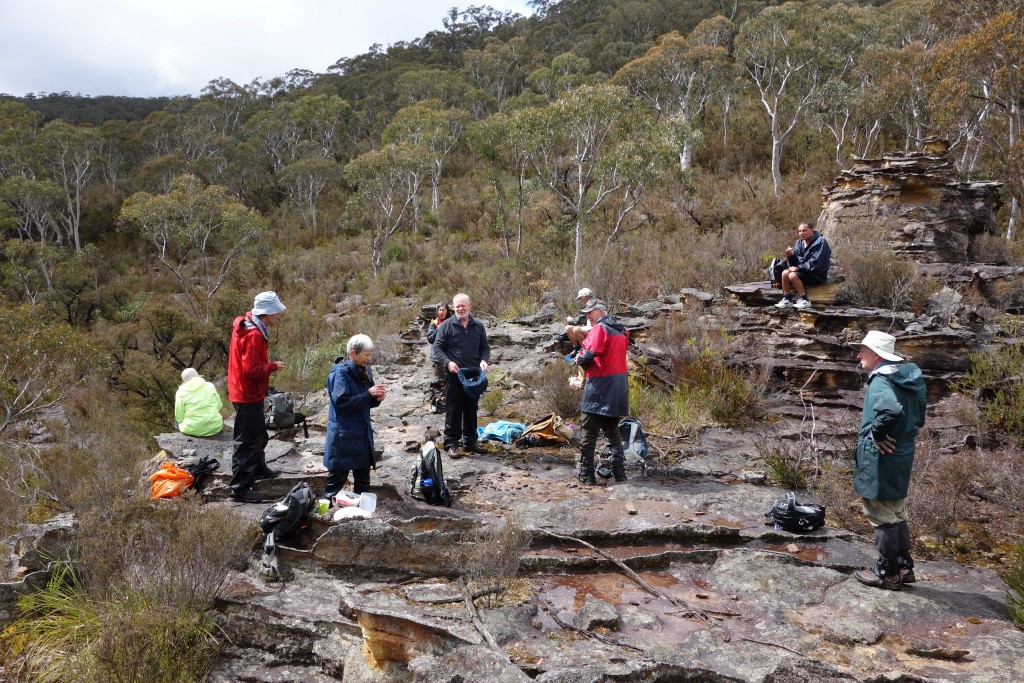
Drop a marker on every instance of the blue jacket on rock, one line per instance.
(349, 444)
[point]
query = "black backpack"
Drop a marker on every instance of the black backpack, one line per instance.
(792, 516)
(281, 520)
(281, 411)
(201, 468)
(428, 478)
(775, 269)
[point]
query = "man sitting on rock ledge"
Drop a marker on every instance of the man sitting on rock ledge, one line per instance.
(809, 261)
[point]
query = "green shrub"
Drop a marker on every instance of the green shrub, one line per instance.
(787, 463)
(68, 635)
(495, 393)
(996, 381)
(1014, 580)
(877, 277)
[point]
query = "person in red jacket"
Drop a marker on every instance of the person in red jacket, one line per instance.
(606, 393)
(249, 369)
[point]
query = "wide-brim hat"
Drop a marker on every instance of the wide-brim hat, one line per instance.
(474, 381)
(881, 343)
(267, 303)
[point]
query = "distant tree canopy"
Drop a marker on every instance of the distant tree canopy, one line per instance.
(569, 130)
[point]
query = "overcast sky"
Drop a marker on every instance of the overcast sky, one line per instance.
(175, 47)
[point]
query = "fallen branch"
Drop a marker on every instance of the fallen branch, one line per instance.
(467, 597)
(687, 610)
(761, 642)
(582, 631)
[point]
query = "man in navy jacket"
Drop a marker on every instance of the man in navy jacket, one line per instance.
(809, 261)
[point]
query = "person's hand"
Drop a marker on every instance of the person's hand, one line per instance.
(789, 251)
(883, 443)
(278, 365)
(483, 365)
(452, 367)
(378, 391)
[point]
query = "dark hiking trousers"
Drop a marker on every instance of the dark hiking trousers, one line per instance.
(250, 435)
(460, 414)
(336, 481)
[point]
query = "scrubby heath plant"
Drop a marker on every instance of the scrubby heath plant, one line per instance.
(495, 393)
(1014, 580)
(493, 562)
(996, 382)
(68, 635)
(705, 387)
(135, 606)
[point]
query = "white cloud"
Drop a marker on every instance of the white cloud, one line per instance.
(176, 47)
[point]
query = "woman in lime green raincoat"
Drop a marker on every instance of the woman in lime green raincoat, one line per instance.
(197, 406)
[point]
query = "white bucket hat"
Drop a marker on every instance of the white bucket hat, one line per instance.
(585, 292)
(267, 303)
(881, 343)
(188, 373)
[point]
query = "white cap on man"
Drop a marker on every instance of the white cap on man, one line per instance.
(585, 293)
(267, 303)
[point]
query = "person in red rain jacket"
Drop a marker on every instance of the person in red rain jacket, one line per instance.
(249, 369)
(606, 393)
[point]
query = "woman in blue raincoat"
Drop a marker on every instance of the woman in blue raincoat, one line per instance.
(352, 391)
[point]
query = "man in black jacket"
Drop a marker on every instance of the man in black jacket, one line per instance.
(461, 342)
(809, 261)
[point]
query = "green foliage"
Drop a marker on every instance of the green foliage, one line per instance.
(996, 381)
(40, 363)
(1014, 580)
(495, 393)
(66, 635)
(878, 277)
(787, 463)
(197, 233)
(137, 610)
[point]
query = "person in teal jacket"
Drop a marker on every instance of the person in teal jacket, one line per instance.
(894, 410)
(197, 406)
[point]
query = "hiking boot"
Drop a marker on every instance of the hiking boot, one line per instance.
(248, 496)
(889, 582)
(907, 576)
(618, 463)
(266, 473)
(453, 453)
(477, 448)
(586, 473)
(804, 302)
(785, 303)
